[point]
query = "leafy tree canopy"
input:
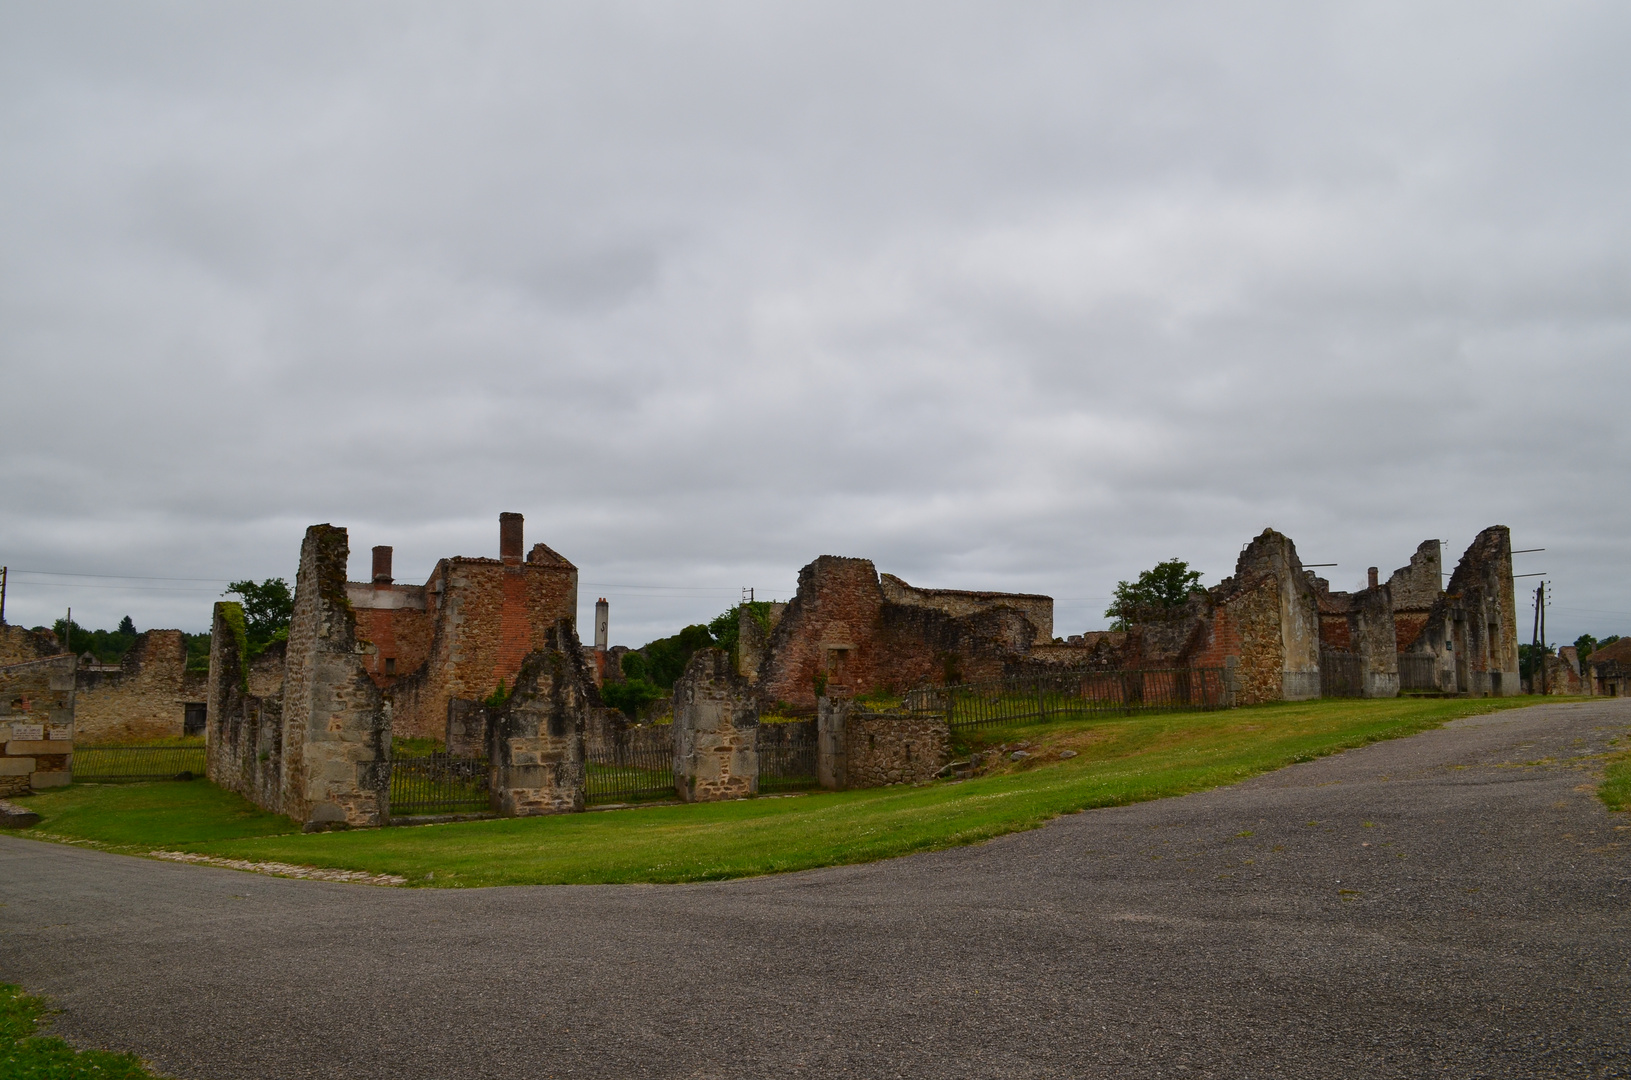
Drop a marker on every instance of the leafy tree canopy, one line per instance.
(268, 609)
(1158, 592)
(108, 646)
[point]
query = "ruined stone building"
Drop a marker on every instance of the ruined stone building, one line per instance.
(464, 631)
(1608, 669)
(848, 632)
(366, 661)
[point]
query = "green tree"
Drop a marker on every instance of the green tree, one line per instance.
(127, 625)
(268, 609)
(1158, 592)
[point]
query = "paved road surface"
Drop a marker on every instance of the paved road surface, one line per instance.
(1476, 926)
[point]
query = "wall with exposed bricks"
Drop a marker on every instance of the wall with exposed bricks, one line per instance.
(146, 698)
(36, 724)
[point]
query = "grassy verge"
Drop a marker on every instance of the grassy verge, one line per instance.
(1615, 790)
(25, 1055)
(1117, 761)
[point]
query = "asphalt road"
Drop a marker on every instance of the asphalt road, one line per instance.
(1455, 904)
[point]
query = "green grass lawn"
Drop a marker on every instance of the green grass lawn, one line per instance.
(26, 1055)
(1119, 761)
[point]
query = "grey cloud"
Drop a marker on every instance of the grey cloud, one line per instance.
(999, 296)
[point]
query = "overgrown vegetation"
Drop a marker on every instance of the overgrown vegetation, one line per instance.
(27, 1055)
(268, 610)
(1117, 761)
(1158, 592)
(108, 646)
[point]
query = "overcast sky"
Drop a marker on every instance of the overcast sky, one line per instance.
(1002, 296)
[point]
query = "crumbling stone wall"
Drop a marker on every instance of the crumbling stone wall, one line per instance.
(753, 638)
(146, 697)
(1472, 629)
(536, 741)
(319, 753)
(1608, 669)
(716, 722)
(1361, 623)
(1415, 589)
(1037, 609)
(1563, 674)
(36, 724)
(861, 749)
(19, 645)
(243, 733)
(841, 636)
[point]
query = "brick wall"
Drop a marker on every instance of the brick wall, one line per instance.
(36, 724)
(393, 621)
(147, 696)
(484, 617)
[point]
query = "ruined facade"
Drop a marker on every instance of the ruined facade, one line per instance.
(847, 632)
(463, 632)
(536, 740)
(1471, 631)
(148, 694)
(1608, 669)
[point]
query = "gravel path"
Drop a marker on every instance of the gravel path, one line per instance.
(1454, 904)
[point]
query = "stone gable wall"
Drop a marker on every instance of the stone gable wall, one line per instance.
(1472, 629)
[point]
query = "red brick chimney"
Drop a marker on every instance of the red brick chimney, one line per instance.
(382, 565)
(1372, 573)
(509, 539)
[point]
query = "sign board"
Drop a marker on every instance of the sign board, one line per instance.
(60, 731)
(25, 732)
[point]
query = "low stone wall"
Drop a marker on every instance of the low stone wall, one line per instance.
(36, 724)
(859, 749)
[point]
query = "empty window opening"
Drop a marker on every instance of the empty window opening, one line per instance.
(390, 665)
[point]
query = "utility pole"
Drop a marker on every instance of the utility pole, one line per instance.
(1543, 686)
(2, 596)
(1534, 645)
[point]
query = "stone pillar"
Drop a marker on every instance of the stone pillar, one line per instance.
(535, 743)
(336, 725)
(832, 759)
(716, 731)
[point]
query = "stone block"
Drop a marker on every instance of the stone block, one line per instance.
(50, 780)
(16, 766)
(19, 747)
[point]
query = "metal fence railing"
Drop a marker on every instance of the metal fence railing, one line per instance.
(787, 756)
(104, 763)
(1060, 695)
(630, 765)
(438, 784)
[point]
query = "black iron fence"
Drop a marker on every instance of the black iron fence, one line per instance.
(787, 756)
(631, 764)
(1064, 695)
(106, 763)
(438, 784)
